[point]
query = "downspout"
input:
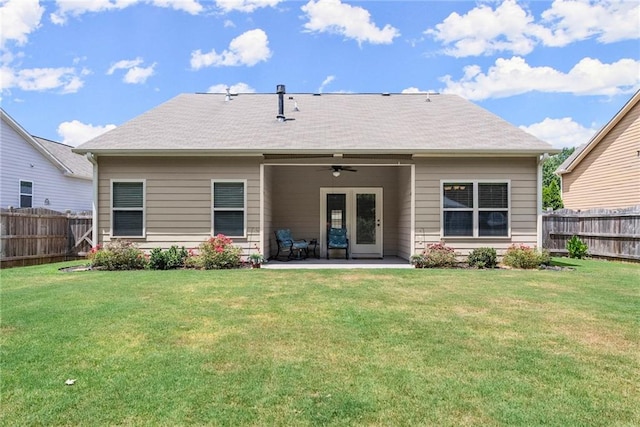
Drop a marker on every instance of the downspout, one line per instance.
(541, 160)
(94, 204)
(412, 233)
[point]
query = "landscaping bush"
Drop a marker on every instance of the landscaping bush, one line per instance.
(218, 252)
(118, 255)
(483, 258)
(576, 248)
(173, 257)
(523, 256)
(434, 256)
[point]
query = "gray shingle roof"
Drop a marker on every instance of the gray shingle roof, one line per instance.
(76, 163)
(344, 123)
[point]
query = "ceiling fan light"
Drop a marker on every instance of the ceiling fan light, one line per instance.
(336, 173)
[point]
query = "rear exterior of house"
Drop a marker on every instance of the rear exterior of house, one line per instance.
(605, 172)
(38, 173)
(386, 168)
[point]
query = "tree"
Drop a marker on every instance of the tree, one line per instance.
(551, 196)
(551, 182)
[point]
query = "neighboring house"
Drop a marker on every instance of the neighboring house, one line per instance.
(399, 171)
(605, 172)
(40, 173)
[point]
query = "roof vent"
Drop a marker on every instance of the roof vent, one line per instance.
(227, 97)
(280, 90)
(428, 99)
(386, 94)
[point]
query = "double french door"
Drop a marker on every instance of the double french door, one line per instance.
(359, 211)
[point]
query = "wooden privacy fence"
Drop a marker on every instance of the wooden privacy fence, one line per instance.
(608, 233)
(38, 236)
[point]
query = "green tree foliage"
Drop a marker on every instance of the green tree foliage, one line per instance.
(551, 181)
(551, 196)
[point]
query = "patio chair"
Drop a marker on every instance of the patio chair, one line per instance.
(337, 239)
(298, 249)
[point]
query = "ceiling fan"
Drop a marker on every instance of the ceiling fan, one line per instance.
(337, 169)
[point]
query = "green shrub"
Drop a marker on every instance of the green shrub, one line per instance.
(118, 255)
(577, 248)
(483, 258)
(523, 256)
(218, 252)
(438, 255)
(173, 257)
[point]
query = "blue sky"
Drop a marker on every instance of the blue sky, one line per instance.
(72, 69)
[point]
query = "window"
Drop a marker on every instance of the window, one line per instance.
(127, 208)
(26, 194)
(475, 209)
(229, 208)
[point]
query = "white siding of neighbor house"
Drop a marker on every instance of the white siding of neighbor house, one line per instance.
(520, 172)
(19, 160)
(609, 175)
(178, 197)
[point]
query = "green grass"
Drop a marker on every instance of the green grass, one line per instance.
(322, 347)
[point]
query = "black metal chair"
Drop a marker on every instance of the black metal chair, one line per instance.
(298, 249)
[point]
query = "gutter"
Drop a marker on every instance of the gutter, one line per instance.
(94, 205)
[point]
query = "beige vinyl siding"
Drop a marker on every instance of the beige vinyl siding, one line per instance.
(520, 172)
(267, 233)
(609, 175)
(178, 196)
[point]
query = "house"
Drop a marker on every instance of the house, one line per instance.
(605, 172)
(39, 173)
(398, 171)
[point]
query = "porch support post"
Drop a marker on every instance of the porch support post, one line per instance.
(412, 236)
(261, 222)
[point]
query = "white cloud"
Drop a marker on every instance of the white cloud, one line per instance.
(75, 8)
(125, 64)
(134, 74)
(236, 88)
(75, 132)
(326, 82)
(608, 21)
(245, 5)
(484, 30)
(19, 18)
(560, 133)
(353, 22)
(137, 75)
(65, 80)
(247, 49)
(511, 28)
(413, 89)
(514, 76)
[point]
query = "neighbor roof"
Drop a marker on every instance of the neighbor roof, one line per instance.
(77, 164)
(327, 123)
(60, 155)
(581, 152)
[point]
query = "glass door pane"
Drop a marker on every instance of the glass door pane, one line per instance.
(336, 210)
(365, 219)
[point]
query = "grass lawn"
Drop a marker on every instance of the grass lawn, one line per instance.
(322, 347)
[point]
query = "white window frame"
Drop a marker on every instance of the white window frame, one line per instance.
(476, 209)
(20, 193)
(143, 209)
(244, 209)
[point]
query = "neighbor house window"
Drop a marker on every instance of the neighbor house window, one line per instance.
(475, 209)
(229, 208)
(26, 194)
(127, 208)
